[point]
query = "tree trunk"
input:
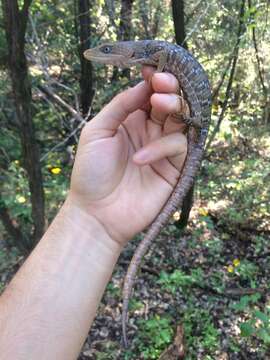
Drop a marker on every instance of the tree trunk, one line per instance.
(240, 32)
(179, 22)
(86, 80)
(125, 26)
(180, 36)
(13, 230)
(15, 28)
(186, 208)
(124, 32)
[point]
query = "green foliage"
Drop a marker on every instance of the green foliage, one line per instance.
(154, 335)
(113, 289)
(247, 270)
(214, 244)
(217, 281)
(199, 329)
(135, 305)
(8, 259)
(109, 351)
(246, 301)
(178, 280)
(258, 322)
(232, 190)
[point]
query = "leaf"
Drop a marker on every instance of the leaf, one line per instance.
(242, 304)
(264, 335)
(262, 316)
(247, 329)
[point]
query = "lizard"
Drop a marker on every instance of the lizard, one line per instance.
(196, 92)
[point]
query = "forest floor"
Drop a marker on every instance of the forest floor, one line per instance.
(204, 289)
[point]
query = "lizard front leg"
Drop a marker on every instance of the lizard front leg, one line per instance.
(184, 112)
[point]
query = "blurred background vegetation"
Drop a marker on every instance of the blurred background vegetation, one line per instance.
(209, 280)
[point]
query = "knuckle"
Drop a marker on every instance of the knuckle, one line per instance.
(119, 97)
(157, 117)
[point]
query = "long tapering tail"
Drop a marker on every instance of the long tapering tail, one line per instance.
(133, 268)
(186, 180)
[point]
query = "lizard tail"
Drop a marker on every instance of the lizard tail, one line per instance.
(133, 268)
(186, 180)
(132, 271)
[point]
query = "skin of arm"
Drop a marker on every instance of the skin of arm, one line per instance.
(128, 161)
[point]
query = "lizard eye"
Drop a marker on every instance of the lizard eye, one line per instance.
(106, 49)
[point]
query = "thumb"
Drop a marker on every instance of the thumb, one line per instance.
(113, 114)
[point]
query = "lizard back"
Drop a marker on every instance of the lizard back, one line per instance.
(192, 80)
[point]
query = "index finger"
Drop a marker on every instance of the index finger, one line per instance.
(123, 104)
(161, 82)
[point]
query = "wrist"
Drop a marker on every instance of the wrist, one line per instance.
(102, 213)
(87, 226)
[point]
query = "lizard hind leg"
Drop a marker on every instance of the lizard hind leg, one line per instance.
(184, 113)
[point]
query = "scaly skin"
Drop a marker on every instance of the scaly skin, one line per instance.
(194, 83)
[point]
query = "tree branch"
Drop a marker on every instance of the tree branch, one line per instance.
(49, 92)
(216, 90)
(192, 13)
(259, 64)
(241, 29)
(196, 25)
(260, 67)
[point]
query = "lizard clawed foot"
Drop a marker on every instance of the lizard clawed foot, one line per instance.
(184, 111)
(184, 114)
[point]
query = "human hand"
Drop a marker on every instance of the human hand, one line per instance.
(130, 156)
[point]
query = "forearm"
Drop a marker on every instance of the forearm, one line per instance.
(50, 304)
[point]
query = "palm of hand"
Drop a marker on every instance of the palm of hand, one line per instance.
(124, 194)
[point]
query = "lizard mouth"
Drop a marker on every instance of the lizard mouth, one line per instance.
(113, 59)
(118, 60)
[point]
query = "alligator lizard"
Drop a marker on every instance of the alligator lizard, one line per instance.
(194, 84)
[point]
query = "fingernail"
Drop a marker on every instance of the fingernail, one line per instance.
(141, 155)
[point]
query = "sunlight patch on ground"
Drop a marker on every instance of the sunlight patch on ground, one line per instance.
(35, 70)
(55, 70)
(264, 148)
(218, 205)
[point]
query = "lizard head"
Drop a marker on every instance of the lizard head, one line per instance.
(125, 53)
